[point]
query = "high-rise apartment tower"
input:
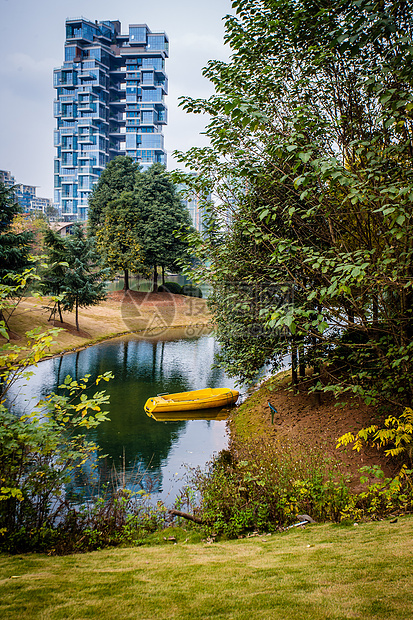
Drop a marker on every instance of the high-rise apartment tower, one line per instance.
(110, 101)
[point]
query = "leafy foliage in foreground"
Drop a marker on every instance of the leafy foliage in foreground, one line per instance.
(40, 451)
(311, 165)
(263, 487)
(43, 451)
(396, 437)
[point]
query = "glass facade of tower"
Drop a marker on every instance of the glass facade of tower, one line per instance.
(110, 101)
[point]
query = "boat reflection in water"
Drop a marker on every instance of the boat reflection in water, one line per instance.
(217, 413)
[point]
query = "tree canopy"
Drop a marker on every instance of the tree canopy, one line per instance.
(117, 238)
(311, 164)
(164, 220)
(136, 218)
(118, 176)
(114, 216)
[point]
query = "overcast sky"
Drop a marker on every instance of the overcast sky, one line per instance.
(32, 34)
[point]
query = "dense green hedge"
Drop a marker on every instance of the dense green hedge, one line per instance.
(171, 287)
(191, 291)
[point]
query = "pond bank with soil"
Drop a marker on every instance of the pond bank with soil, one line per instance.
(300, 420)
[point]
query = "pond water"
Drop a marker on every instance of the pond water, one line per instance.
(154, 455)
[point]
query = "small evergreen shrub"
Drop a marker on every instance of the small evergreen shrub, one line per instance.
(191, 291)
(171, 287)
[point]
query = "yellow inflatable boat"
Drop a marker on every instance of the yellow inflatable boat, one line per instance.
(187, 401)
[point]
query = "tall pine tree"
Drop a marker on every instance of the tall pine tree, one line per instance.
(75, 275)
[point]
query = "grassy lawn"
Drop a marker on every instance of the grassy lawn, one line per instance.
(323, 572)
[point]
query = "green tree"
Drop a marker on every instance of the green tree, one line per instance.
(117, 237)
(15, 259)
(311, 162)
(54, 273)
(73, 274)
(118, 176)
(136, 218)
(14, 246)
(163, 220)
(114, 219)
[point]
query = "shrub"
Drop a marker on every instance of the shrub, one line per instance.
(264, 487)
(191, 291)
(40, 452)
(396, 436)
(170, 287)
(382, 496)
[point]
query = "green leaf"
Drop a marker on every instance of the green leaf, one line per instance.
(305, 157)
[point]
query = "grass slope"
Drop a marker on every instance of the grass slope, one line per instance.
(323, 572)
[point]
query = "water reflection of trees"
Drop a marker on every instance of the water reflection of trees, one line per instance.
(141, 369)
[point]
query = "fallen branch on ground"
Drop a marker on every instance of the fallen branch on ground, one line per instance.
(185, 515)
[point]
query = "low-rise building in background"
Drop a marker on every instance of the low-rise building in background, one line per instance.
(26, 196)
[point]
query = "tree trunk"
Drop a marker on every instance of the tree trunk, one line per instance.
(126, 280)
(163, 275)
(185, 515)
(77, 314)
(155, 278)
(59, 307)
(294, 362)
(375, 312)
(316, 370)
(301, 361)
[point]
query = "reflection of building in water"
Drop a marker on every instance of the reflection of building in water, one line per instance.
(102, 477)
(147, 453)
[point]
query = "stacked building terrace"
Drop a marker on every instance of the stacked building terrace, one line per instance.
(110, 101)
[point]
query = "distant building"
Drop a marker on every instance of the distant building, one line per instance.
(194, 204)
(26, 194)
(110, 101)
(7, 178)
(62, 228)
